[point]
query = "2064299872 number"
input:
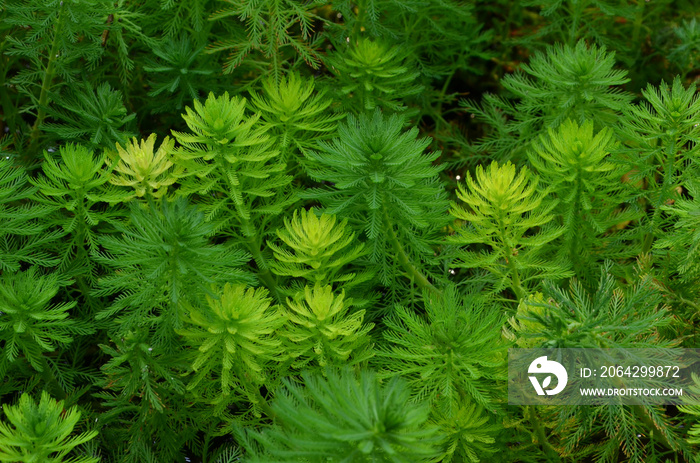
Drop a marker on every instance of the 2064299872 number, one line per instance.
(636, 371)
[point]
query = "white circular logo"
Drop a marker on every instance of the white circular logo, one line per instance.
(549, 367)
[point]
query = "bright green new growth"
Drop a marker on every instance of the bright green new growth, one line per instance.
(503, 209)
(230, 155)
(322, 331)
(374, 74)
(236, 338)
(296, 115)
(139, 166)
(450, 356)
(232, 164)
(574, 156)
(221, 127)
(371, 271)
(575, 164)
(40, 432)
(338, 417)
(317, 249)
(77, 171)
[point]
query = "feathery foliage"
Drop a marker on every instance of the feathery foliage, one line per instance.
(22, 230)
(373, 74)
(41, 432)
(691, 407)
(142, 392)
(236, 339)
(271, 29)
(209, 206)
(162, 258)
(320, 329)
(605, 318)
(503, 208)
(453, 354)
(340, 417)
(571, 20)
(244, 168)
(566, 82)
(49, 31)
(377, 168)
(683, 242)
(317, 249)
(686, 53)
(577, 166)
(143, 168)
(468, 433)
(662, 137)
(96, 117)
(179, 75)
(608, 317)
(296, 115)
(75, 186)
(31, 324)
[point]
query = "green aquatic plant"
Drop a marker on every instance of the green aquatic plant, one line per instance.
(40, 432)
(283, 231)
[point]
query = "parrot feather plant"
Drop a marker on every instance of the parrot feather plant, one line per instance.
(311, 231)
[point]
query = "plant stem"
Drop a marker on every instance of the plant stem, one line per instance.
(205, 447)
(46, 82)
(361, 11)
(516, 285)
(255, 390)
(438, 111)
(638, 18)
(515, 277)
(415, 274)
(641, 412)
(251, 241)
(541, 436)
(82, 255)
(669, 172)
(576, 15)
(263, 271)
(575, 225)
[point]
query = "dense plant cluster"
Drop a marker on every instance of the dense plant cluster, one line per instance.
(282, 231)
